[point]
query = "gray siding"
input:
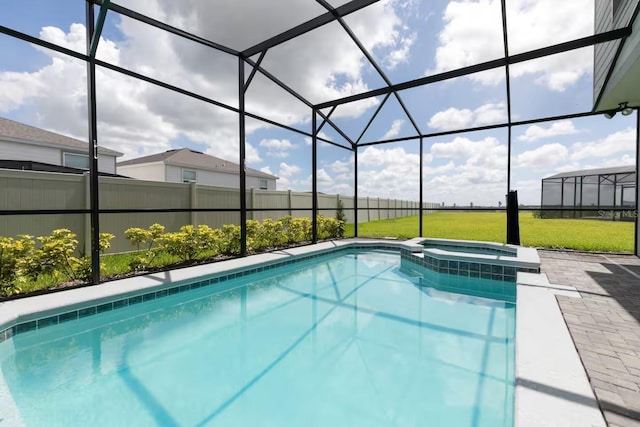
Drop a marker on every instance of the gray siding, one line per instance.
(18, 151)
(221, 179)
(11, 150)
(604, 53)
(147, 171)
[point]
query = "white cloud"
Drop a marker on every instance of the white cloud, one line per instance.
(394, 130)
(138, 118)
(341, 167)
(266, 169)
(288, 170)
(448, 167)
(454, 118)
(321, 134)
(544, 156)
(251, 154)
(488, 151)
(617, 142)
(536, 132)
(473, 34)
(476, 172)
(388, 173)
(401, 54)
(276, 147)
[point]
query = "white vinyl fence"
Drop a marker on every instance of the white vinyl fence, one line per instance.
(29, 190)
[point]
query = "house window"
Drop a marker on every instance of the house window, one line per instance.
(263, 184)
(616, 5)
(78, 161)
(188, 175)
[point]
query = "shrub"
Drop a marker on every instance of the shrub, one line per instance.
(229, 242)
(55, 256)
(340, 216)
(151, 239)
(329, 228)
(190, 242)
(254, 235)
(12, 255)
(140, 236)
(272, 234)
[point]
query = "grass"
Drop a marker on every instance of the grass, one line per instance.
(113, 265)
(579, 234)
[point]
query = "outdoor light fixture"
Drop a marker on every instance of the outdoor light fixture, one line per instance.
(609, 114)
(625, 109)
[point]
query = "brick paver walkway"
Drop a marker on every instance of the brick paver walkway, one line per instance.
(604, 324)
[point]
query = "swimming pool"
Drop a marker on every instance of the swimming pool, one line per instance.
(350, 338)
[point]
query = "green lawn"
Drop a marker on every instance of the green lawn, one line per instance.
(587, 235)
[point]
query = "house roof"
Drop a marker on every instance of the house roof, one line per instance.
(599, 171)
(188, 158)
(19, 132)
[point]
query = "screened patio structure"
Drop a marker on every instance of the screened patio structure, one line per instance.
(252, 60)
(606, 193)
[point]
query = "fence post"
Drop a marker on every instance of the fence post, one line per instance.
(368, 210)
(193, 203)
(253, 202)
(290, 204)
(87, 217)
(337, 203)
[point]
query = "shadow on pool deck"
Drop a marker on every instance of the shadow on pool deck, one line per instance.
(604, 325)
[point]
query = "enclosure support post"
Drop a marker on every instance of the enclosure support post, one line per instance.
(562, 181)
(243, 175)
(636, 249)
(615, 201)
(575, 190)
(314, 176)
(420, 209)
(93, 150)
(355, 191)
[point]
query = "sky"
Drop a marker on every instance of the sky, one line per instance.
(407, 38)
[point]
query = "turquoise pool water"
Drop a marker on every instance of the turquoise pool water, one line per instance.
(344, 340)
(469, 249)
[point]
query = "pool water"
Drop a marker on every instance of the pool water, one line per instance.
(470, 249)
(343, 340)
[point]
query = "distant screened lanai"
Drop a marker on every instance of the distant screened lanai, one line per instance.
(591, 193)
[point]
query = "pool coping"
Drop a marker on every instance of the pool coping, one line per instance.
(40, 307)
(545, 354)
(524, 258)
(552, 388)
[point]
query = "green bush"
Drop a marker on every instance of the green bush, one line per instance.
(55, 256)
(229, 243)
(340, 216)
(190, 242)
(329, 228)
(12, 255)
(272, 234)
(150, 240)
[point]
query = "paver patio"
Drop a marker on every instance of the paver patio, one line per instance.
(604, 325)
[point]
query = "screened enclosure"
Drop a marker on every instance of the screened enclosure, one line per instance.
(231, 80)
(605, 194)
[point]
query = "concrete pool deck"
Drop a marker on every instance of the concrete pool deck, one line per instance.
(604, 325)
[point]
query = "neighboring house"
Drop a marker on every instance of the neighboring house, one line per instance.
(616, 65)
(186, 165)
(24, 143)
